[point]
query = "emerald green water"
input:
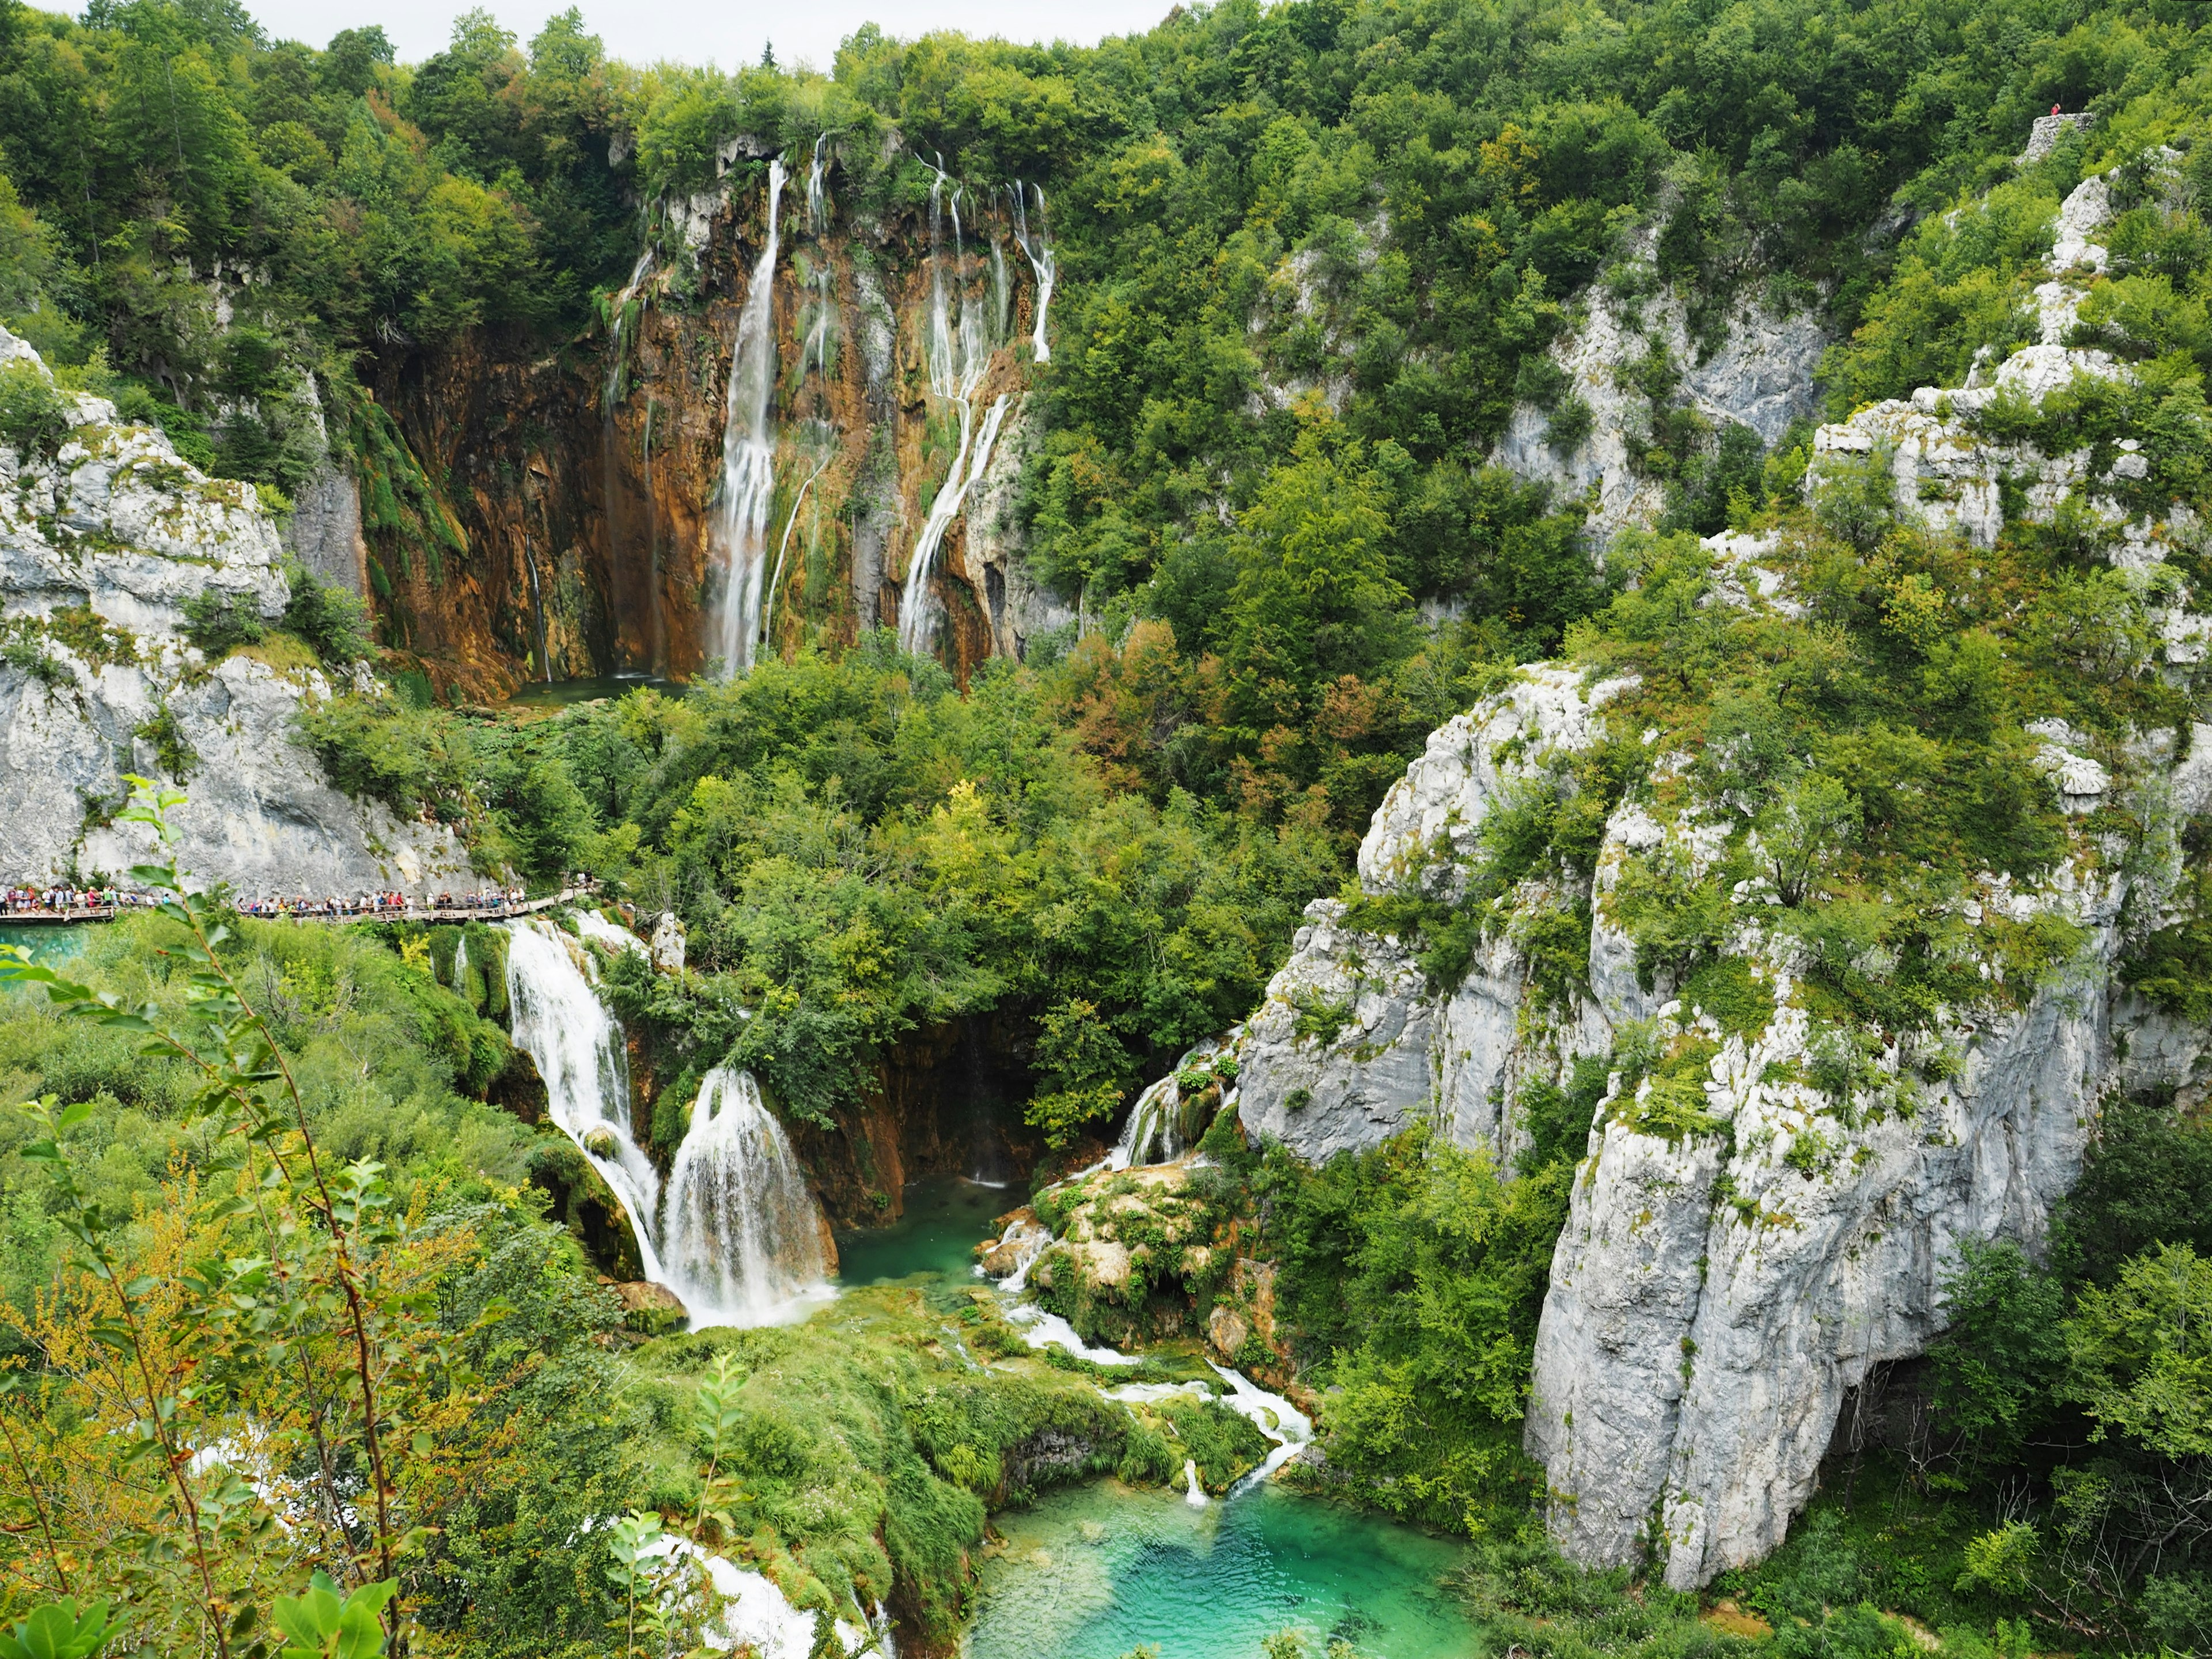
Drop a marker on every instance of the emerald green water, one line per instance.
(941, 1223)
(1092, 1573)
(49, 945)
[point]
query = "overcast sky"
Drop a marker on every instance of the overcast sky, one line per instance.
(703, 31)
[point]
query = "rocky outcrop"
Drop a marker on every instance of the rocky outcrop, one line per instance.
(1350, 1046)
(1714, 1295)
(1760, 376)
(103, 544)
(1768, 1201)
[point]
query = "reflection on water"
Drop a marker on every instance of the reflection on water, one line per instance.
(944, 1219)
(1092, 1573)
(561, 693)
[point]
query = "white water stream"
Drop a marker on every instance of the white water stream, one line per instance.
(560, 1023)
(749, 456)
(957, 351)
(1041, 263)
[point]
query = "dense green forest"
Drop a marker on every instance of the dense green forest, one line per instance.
(271, 1197)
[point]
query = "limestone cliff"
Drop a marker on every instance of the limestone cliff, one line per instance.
(102, 543)
(589, 487)
(1768, 1213)
(1623, 361)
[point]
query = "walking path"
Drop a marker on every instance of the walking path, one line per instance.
(410, 912)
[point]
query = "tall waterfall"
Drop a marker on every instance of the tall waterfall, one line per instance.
(818, 432)
(749, 455)
(560, 1023)
(744, 1237)
(957, 352)
(1041, 263)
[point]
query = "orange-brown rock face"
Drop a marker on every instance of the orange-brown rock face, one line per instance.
(589, 484)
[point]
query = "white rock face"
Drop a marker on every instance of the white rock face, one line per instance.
(1741, 1250)
(1714, 1295)
(1337, 1058)
(1349, 1049)
(1760, 377)
(117, 526)
(1947, 476)
(668, 944)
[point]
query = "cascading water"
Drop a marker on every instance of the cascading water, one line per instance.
(958, 354)
(749, 455)
(1039, 250)
(1150, 1128)
(744, 1241)
(819, 435)
(1283, 1423)
(560, 1023)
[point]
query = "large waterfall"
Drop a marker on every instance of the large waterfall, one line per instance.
(744, 1241)
(957, 352)
(749, 455)
(560, 1023)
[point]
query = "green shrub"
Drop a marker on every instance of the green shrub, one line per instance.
(34, 418)
(333, 621)
(162, 729)
(218, 622)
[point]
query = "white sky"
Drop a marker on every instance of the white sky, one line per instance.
(704, 31)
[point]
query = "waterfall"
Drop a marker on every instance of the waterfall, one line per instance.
(560, 1023)
(619, 321)
(538, 614)
(821, 316)
(957, 354)
(743, 1239)
(1039, 250)
(1195, 1496)
(749, 455)
(1152, 1125)
(1272, 1415)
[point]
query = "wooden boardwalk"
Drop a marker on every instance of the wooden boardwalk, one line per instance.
(429, 913)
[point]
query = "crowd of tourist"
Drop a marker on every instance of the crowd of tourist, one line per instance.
(65, 901)
(69, 901)
(495, 901)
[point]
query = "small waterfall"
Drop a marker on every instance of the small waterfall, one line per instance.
(622, 327)
(538, 614)
(461, 965)
(749, 455)
(1039, 250)
(744, 1238)
(1274, 1416)
(957, 352)
(820, 436)
(1195, 1496)
(1150, 1128)
(560, 1023)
